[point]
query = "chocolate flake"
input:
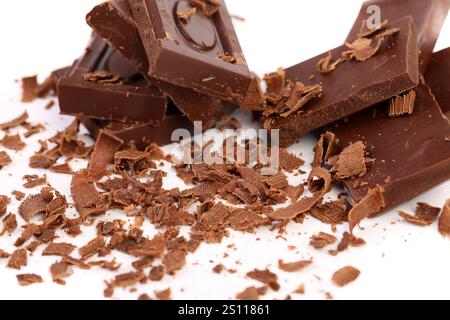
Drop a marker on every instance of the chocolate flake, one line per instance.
(4, 254)
(351, 162)
(64, 168)
(321, 240)
(34, 181)
(28, 279)
(265, 276)
(29, 85)
(9, 224)
(249, 294)
(207, 7)
(346, 275)
(327, 65)
(58, 249)
(60, 270)
(164, 295)
(186, 15)
(323, 149)
(174, 261)
(289, 161)
(18, 259)
(444, 220)
(425, 215)
(12, 142)
(370, 205)
(402, 104)
(157, 273)
(4, 201)
(35, 204)
(94, 246)
(15, 122)
(333, 212)
(294, 266)
(103, 155)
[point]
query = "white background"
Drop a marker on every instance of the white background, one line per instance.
(399, 260)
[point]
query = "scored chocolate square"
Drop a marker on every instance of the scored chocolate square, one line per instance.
(192, 43)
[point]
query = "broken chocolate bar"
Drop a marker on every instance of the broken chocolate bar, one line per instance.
(428, 17)
(105, 86)
(437, 76)
(193, 46)
(142, 135)
(411, 152)
(113, 21)
(353, 85)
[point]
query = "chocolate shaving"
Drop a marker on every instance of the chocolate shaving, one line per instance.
(444, 220)
(95, 246)
(12, 142)
(277, 181)
(18, 259)
(370, 205)
(60, 270)
(351, 162)
(425, 215)
(34, 181)
(245, 220)
(58, 249)
(104, 77)
(327, 65)
(64, 168)
(299, 97)
(289, 161)
(157, 273)
(4, 201)
(402, 104)
(103, 155)
(294, 266)
(9, 224)
(363, 49)
(321, 240)
(4, 254)
(249, 294)
(28, 279)
(18, 195)
(265, 276)
(32, 130)
(333, 212)
(35, 204)
(323, 149)
(15, 122)
(4, 159)
(207, 7)
(346, 275)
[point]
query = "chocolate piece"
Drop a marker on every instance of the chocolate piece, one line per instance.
(346, 275)
(105, 86)
(200, 53)
(353, 86)
(113, 21)
(411, 152)
(142, 135)
(428, 17)
(437, 76)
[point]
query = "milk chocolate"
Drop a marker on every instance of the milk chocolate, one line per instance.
(353, 85)
(141, 134)
(438, 78)
(113, 21)
(105, 86)
(193, 46)
(428, 16)
(411, 152)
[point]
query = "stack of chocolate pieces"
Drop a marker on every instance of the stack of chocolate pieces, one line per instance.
(385, 91)
(155, 66)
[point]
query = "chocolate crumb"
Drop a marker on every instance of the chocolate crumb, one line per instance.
(164, 294)
(425, 215)
(346, 275)
(294, 266)
(265, 276)
(301, 289)
(144, 297)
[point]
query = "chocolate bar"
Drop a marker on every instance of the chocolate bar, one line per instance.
(428, 16)
(114, 22)
(438, 78)
(141, 134)
(105, 86)
(353, 85)
(411, 152)
(192, 44)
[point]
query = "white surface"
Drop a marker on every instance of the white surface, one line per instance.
(399, 260)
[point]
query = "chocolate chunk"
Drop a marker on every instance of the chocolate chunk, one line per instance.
(28, 279)
(428, 17)
(114, 22)
(396, 72)
(195, 46)
(437, 73)
(131, 100)
(425, 215)
(416, 158)
(346, 275)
